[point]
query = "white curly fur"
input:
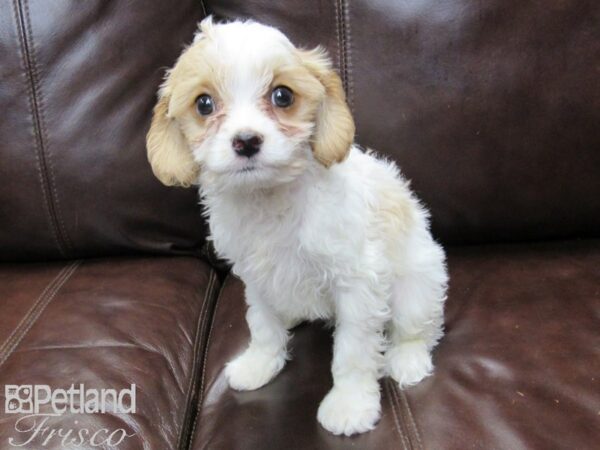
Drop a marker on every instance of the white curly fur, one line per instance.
(347, 242)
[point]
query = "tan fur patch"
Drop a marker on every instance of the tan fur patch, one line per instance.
(334, 127)
(176, 123)
(168, 150)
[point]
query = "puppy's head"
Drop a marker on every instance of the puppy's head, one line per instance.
(244, 108)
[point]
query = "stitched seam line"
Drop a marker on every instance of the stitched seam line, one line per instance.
(44, 133)
(406, 418)
(394, 393)
(348, 53)
(337, 38)
(203, 6)
(411, 421)
(390, 395)
(183, 436)
(29, 86)
(341, 41)
(200, 325)
(35, 101)
(204, 360)
(36, 310)
(39, 299)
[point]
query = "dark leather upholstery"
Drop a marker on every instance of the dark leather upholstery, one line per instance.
(490, 108)
(518, 366)
(517, 369)
(487, 106)
(107, 324)
(77, 87)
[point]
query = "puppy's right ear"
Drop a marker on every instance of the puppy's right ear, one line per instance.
(168, 151)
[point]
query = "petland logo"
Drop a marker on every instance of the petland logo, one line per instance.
(39, 404)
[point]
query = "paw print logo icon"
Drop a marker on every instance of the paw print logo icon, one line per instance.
(19, 399)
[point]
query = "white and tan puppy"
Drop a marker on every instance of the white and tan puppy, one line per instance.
(315, 227)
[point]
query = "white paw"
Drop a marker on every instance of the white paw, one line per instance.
(253, 369)
(409, 362)
(350, 410)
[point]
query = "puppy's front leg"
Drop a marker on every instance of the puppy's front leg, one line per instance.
(266, 355)
(353, 404)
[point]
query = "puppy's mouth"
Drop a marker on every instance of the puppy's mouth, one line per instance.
(247, 169)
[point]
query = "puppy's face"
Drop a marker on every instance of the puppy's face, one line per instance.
(244, 108)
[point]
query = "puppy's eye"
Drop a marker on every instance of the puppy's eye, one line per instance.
(205, 105)
(282, 96)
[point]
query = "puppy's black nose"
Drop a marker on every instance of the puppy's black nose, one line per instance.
(247, 143)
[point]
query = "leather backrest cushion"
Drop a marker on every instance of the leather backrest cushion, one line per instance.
(491, 108)
(78, 81)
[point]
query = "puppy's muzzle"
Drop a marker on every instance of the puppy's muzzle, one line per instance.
(247, 143)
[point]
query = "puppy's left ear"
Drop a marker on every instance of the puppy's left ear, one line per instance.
(334, 127)
(168, 151)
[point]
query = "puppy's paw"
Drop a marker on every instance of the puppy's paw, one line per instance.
(350, 410)
(253, 369)
(409, 362)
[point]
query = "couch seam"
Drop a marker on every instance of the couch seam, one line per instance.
(44, 137)
(196, 349)
(336, 8)
(36, 310)
(204, 361)
(392, 399)
(348, 52)
(344, 50)
(411, 420)
(40, 297)
(402, 413)
(204, 10)
(22, 45)
(407, 418)
(340, 40)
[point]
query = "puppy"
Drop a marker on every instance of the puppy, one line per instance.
(314, 226)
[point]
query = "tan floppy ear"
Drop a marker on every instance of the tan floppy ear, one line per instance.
(168, 151)
(334, 127)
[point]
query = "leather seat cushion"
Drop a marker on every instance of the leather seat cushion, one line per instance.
(108, 324)
(518, 368)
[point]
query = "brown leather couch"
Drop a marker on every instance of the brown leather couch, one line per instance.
(492, 110)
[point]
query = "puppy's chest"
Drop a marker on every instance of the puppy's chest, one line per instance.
(259, 235)
(292, 279)
(261, 254)
(274, 254)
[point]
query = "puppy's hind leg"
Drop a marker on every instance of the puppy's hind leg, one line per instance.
(417, 316)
